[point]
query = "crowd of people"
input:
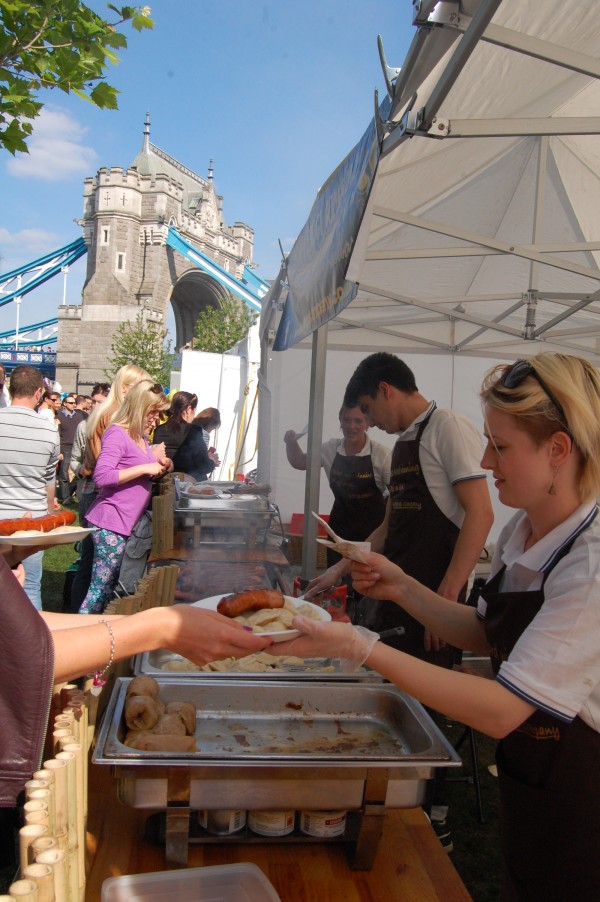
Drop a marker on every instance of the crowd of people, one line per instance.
(96, 451)
(427, 513)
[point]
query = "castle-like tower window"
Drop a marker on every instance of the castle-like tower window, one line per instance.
(104, 235)
(121, 259)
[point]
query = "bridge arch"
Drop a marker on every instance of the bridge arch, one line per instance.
(193, 292)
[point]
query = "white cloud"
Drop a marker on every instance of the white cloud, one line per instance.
(57, 151)
(32, 239)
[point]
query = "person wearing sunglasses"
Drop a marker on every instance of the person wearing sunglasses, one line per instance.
(49, 406)
(68, 420)
(123, 476)
(538, 617)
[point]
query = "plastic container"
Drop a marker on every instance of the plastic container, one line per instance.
(272, 823)
(222, 823)
(324, 824)
(242, 882)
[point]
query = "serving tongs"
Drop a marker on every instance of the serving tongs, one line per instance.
(354, 551)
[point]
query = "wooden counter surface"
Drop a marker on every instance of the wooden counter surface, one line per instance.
(410, 863)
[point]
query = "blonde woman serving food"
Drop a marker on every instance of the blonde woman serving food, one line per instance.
(538, 618)
(123, 475)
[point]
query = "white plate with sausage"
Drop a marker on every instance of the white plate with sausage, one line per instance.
(62, 535)
(273, 622)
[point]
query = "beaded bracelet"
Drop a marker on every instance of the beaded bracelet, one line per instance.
(99, 678)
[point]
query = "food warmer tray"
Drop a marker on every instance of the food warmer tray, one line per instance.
(359, 748)
(228, 520)
(233, 505)
(325, 669)
(289, 745)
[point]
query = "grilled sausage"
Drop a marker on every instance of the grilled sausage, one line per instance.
(40, 524)
(252, 600)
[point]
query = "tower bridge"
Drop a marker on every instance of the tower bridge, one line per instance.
(155, 235)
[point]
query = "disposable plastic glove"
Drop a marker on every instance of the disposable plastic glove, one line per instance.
(352, 644)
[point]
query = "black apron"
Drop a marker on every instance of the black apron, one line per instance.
(359, 506)
(549, 779)
(421, 540)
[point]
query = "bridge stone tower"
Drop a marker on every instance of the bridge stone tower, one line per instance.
(129, 267)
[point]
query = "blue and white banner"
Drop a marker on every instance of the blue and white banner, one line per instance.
(318, 261)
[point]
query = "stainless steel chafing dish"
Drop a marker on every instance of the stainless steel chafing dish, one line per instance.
(302, 745)
(227, 517)
(327, 669)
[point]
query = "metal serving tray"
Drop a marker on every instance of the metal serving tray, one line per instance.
(237, 505)
(317, 669)
(287, 744)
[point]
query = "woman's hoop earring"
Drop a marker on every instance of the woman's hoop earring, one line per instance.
(552, 490)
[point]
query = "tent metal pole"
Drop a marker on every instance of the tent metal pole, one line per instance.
(470, 39)
(313, 451)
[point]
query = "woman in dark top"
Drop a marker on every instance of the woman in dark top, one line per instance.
(192, 456)
(180, 414)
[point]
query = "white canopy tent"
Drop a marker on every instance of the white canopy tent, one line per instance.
(481, 235)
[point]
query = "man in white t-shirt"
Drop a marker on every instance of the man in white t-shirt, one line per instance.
(28, 459)
(439, 511)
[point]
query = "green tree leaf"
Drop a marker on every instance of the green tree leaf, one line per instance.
(142, 343)
(219, 328)
(56, 44)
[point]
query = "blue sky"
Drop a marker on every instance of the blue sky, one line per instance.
(274, 93)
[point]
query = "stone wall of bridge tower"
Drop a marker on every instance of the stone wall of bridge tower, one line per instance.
(130, 269)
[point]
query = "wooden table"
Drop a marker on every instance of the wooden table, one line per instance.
(410, 862)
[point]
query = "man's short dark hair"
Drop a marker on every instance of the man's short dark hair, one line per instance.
(101, 388)
(25, 381)
(377, 368)
(79, 399)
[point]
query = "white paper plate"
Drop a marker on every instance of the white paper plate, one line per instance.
(46, 539)
(210, 604)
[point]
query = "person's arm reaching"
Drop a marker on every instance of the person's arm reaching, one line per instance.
(475, 701)
(474, 498)
(295, 455)
(199, 635)
(456, 624)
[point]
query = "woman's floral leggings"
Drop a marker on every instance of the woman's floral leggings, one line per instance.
(109, 548)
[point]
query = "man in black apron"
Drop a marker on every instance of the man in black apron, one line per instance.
(439, 510)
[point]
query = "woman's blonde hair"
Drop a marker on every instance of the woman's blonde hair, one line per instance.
(95, 427)
(144, 397)
(574, 383)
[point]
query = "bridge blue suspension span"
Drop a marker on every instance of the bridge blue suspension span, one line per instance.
(251, 289)
(12, 284)
(26, 330)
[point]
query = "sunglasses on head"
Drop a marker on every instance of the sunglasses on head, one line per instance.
(518, 372)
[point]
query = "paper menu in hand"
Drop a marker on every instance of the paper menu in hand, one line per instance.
(355, 551)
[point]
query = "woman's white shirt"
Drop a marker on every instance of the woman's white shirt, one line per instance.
(555, 664)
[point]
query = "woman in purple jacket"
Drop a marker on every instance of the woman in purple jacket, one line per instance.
(123, 475)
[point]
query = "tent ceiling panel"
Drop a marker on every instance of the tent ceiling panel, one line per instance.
(491, 243)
